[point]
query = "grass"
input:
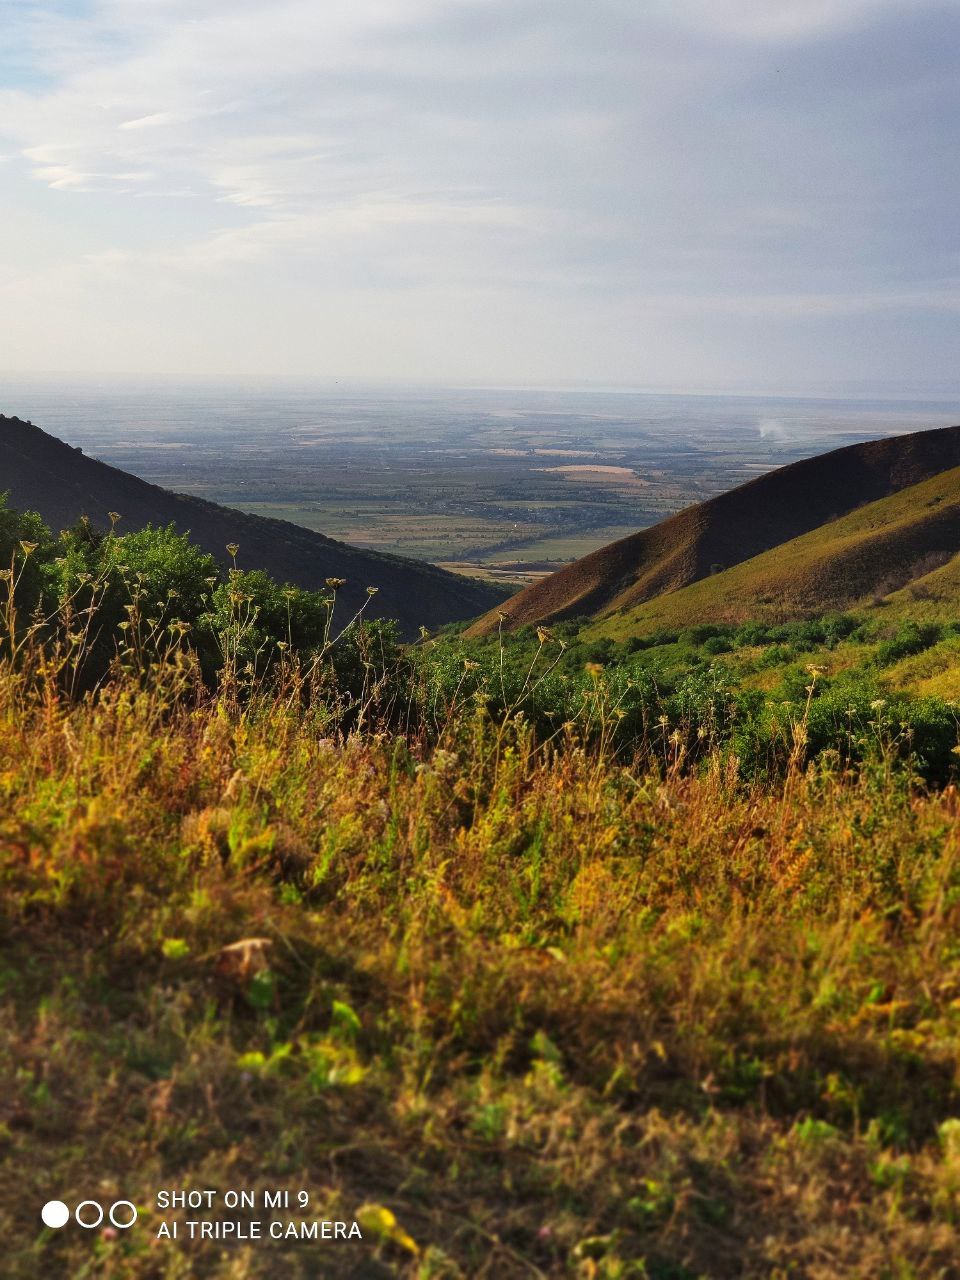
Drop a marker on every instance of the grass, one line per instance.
(525, 977)
(558, 1014)
(870, 553)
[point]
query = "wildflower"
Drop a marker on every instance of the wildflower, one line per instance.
(114, 516)
(28, 547)
(594, 669)
(543, 635)
(372, 591)
(878, 704)
(335, 583)
(468, 665)
(232, 549)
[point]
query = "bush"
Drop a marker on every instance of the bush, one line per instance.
(698, 634)
(716, 645)
(911, 638)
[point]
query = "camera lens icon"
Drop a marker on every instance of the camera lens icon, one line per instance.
(89, 1214)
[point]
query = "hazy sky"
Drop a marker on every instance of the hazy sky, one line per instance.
(685, 193)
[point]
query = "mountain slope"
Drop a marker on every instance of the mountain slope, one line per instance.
(730, 528)
(43, 474)
(912, 537)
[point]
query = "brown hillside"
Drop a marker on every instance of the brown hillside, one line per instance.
(730, 528)
(41, 473)
(903, 541)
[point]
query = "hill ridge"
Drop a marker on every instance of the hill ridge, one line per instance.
(730, 528)
(873, 552)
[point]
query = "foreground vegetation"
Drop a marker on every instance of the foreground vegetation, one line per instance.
(513, 954)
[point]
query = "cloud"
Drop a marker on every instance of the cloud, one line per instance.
(773, 21)
(155, 120)
(707, 162)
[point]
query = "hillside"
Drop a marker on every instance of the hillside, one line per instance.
(42, 473)
(667, 991)
(731, 528)
(904, 545)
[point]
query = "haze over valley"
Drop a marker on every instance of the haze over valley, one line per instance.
(509, 484)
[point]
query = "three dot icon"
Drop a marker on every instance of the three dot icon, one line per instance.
(89, 1214)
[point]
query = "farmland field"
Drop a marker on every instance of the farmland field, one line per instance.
(504, 483)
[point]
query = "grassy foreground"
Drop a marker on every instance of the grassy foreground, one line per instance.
(557, 1014)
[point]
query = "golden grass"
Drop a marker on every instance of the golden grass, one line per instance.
(560, 1016)
(843, 563)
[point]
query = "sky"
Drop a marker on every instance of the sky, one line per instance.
(694, 194)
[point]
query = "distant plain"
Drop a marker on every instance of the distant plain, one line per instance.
(506, 484)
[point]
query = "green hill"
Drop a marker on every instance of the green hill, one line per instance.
(903, 547)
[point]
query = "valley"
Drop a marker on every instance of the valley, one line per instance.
(502, 484)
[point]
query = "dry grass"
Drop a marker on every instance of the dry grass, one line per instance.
(562, 1017)
(809, 509)
(871, 552)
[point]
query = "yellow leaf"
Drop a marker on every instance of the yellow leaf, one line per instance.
(381, 1221)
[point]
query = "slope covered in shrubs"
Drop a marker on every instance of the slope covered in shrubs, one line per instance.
(514, 954)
